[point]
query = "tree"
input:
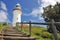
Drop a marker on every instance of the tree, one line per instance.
(52, 12)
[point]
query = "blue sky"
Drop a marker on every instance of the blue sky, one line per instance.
(27, 7)
(31, 9)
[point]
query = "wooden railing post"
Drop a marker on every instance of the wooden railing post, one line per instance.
(21, 25)
(54, 30)
(16, 24)
(30, 28)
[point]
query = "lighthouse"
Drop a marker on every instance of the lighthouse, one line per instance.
(17, 14)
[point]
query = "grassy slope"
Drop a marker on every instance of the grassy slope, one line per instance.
(3, 26)
(39, 32)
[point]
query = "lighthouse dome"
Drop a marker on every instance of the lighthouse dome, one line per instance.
(18, 7)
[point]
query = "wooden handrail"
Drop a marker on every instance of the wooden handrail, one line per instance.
(45, 23)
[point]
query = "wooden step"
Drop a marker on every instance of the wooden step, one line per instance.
(15, 32)
(11, 33)
(8, 34)
(20, 38)
(10, 30)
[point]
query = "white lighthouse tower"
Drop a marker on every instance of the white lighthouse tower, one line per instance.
(17, 14)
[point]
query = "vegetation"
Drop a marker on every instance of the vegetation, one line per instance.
(39, 32)
(52, 12)
(2, 26)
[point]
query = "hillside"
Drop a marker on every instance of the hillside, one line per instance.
(37, 31)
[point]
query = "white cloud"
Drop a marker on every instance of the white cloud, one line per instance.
(3, 6)
(3, 13)
(34, 12)
(3, 16)
(48, 2)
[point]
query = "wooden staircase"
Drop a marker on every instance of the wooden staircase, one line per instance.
(13, 34)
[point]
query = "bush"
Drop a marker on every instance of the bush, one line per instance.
(38, 34)
(46, 35)
(59, 36)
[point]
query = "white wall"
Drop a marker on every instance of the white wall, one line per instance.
(16, 18)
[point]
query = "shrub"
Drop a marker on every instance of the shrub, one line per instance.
(45, 34)
(38, 34)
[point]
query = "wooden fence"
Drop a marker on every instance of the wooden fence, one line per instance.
(52, 23)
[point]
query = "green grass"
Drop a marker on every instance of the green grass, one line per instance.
(3, 26)
(39, 32)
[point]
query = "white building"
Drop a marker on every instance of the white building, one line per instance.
(17, 14)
